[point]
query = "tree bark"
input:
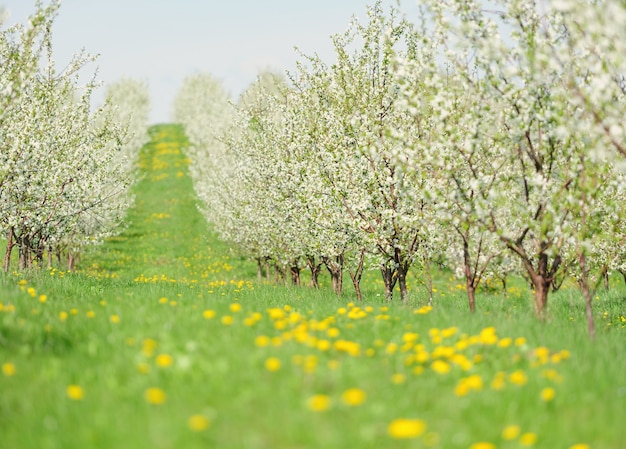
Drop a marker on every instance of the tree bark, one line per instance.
(9, 250)
(356, 276)
(315, 268)
(389, 280)
(335, 268)
(295, 274)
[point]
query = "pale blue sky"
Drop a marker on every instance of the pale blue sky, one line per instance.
(162, 41)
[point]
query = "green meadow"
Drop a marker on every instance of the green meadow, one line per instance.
(164, 338)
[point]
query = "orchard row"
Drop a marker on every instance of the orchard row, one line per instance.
(487, 140)
(65, 169)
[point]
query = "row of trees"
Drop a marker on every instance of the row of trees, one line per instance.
(487, 139)
(65, 168)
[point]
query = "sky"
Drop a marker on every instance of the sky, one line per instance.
(163, 41)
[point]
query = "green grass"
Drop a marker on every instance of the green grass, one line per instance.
(146, 292)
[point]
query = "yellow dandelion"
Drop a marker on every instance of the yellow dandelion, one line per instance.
(548, 394)
(75, 392)
(163, 300)
(518, 378)
(511, 432)
(43, 298)
(483, 445)
(164, 360)
(155, 396)
(261, 341)
(440, 367)
(353, 397)
(319, 403)
(398, 378)
(579, 446)
(63, 315)
(8, 369)
(272, 364)
(208, 314)
(90, 314)
(115, 319)
(31, 292)
(528, 439)
(403, 428)
(198, 423)
(227, 320)
(235, 307)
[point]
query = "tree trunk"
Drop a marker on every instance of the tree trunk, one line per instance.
(295, 274)
(389, 279)
(542, 288)
(470, 278)
(335, 268)
(7, 254)
(259, 268)
(315, 268)
(24, 252)
(71, 260)
(279, 274)
(356, 276)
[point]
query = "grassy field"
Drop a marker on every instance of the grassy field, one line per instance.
(164, 339)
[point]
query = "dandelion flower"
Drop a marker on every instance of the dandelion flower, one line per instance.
(353, 397)
(164, 360)
(319, 403)
(510, 432)
(208, 314)
(115, 319)
(518, 377)
(398, 378)
(579, 446)
(483, 445)
(440, 367)
(155, 396)
(403, 428)
(198, 423)
(8, 369)
(528, 439)
(227, 320)
(75, 392)
(272, 364)
(547, 394)
(235, 307)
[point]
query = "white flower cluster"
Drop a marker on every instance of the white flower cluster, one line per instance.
(64, 170)
(487, 140)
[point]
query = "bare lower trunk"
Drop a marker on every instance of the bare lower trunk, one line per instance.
(316, 268)
(259, 268)
(542, 288)
(9, 250)
(389, 280)
(401, 275)
(470, 278)
(356, 275)
(24, 253)
(335, 268)
(71, 260)
(295, 274)
(279, 274)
